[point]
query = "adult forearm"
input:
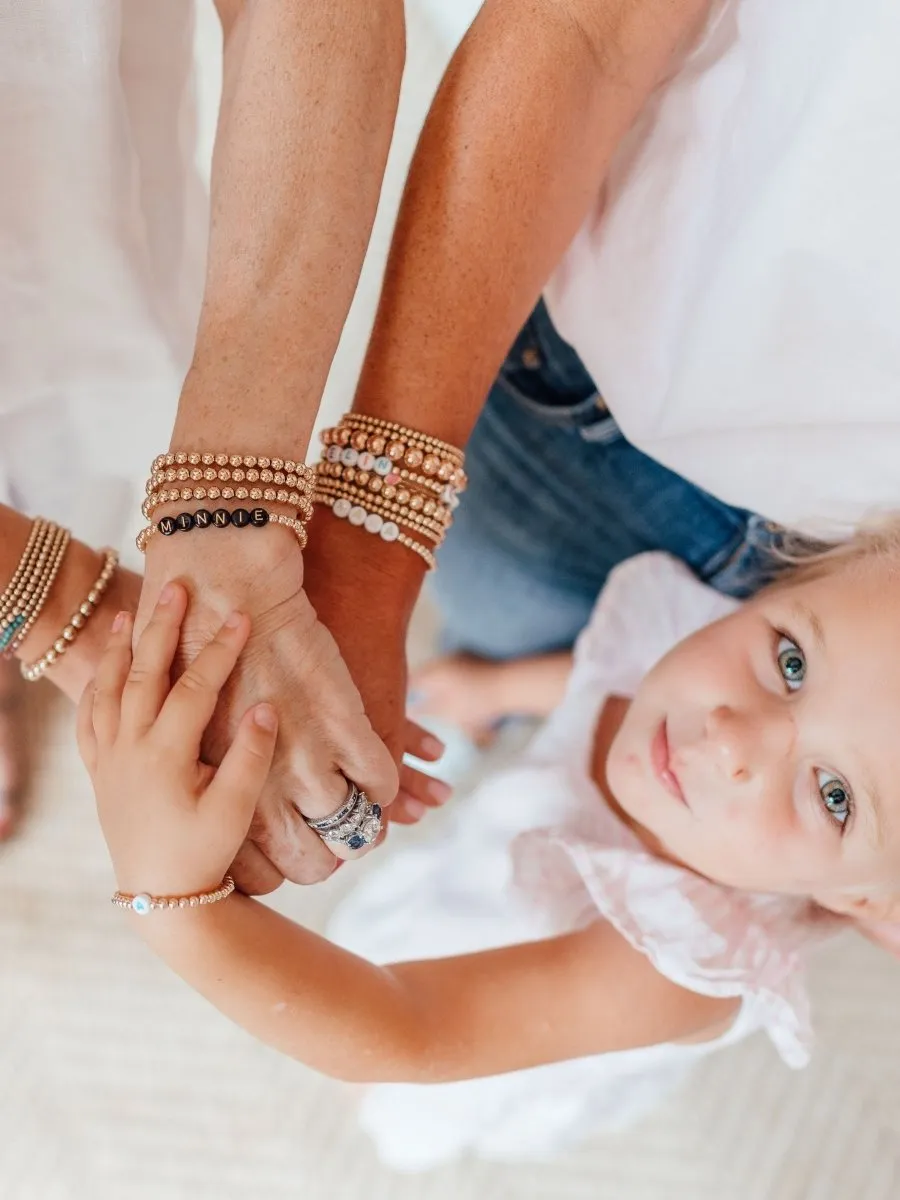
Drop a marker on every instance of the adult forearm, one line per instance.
(309, 99)
(513, 154)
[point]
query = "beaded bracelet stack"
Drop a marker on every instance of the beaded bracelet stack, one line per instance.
(24, 598)
(383, 476)
(192, 475)
(32, 672)
(26, 594)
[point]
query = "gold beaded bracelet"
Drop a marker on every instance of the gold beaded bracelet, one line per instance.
(193, 459)
(211, 475)
(399, 444)
(374, 523)
(37, 536)
(143, 903)
(298, 528)
(396, 457)
(421, 503)
(397, 482)
(392, 512)
(25, 606)
(216, 476)
(395, 430)
(409, 453)
(32, 672)
(297, 500)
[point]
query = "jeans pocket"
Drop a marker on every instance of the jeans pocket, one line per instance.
(539, 403)
(544, 376)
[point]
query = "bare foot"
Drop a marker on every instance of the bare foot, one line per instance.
(12, 746)
(464, 690)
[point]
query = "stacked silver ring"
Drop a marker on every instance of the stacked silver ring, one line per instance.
(356, 824)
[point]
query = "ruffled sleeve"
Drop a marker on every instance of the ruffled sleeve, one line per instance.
(650, 603)
(704, 937)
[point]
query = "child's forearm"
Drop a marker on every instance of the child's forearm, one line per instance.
(425, 1022)
(533, 686)
(290, 988)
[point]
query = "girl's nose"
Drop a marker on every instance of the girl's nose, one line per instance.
(743, 743)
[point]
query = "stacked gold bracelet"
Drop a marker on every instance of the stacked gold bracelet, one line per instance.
(26, 594)
(382, 476)
(194, 475)
(32, 672)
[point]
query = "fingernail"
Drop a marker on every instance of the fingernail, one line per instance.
(234, 620)
(433, 747)
(119, 623)
(165, 596)
(265, 717)
(416, 809)
(439, 791)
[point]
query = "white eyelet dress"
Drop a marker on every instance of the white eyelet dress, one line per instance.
(535, 852)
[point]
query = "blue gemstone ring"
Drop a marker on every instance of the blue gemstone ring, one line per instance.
(356, 824)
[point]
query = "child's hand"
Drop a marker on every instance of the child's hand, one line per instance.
(173, 824)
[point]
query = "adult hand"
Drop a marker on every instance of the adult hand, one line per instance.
(364, 591)
(291, 661)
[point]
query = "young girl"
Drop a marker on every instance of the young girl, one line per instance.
(632, 895)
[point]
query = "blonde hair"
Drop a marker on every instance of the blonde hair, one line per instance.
(875, 542)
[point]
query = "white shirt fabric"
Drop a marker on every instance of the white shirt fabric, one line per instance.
(737, 300)
(536, 851)
(102, 248)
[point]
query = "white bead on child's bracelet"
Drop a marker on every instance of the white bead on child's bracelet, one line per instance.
(143, 903)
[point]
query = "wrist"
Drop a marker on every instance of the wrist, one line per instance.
(341, 556)
(224, 569)
(171, 934)
(77, 575)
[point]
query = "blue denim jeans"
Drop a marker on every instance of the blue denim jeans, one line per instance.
(557, 497)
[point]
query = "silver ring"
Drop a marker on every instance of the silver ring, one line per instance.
(356, 824)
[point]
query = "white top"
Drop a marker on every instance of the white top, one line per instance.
(738, 303)
(102, 248)
(535, 851)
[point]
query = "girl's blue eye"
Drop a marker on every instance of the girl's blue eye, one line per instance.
(791, 663)
(835, 796)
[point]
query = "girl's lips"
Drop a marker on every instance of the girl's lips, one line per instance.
(659, 759)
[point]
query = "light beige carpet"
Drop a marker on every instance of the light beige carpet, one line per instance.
(116, 1083)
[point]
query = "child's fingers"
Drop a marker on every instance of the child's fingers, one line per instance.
(148, 680)
(103, 698)
(84, 728)
(242, 775)
(192, 701)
